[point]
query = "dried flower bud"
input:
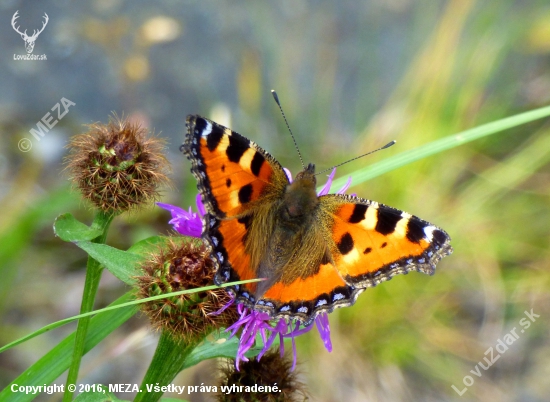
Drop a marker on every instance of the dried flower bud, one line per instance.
(273, 374)
(116, 166)
(188, 266)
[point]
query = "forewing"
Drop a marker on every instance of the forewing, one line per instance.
(233, 173)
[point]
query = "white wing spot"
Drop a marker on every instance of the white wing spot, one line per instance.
(284, 308)
(429, 232)
(207, 130)
(400, 230)
(338, 296)
(302, 309)
(321, 302)
(371, 217)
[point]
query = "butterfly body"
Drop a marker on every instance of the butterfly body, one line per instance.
(316, 253)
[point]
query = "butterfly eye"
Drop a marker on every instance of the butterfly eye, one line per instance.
(294, 210)
(289, 212)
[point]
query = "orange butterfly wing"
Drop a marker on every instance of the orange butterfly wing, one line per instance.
(234, 176)
(373, 242)
(304, 298)
(233, 173)
(369, 243)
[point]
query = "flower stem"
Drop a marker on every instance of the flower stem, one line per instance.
(101, 221)
(167, 362)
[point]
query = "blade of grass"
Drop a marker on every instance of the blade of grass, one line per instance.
(114, 307)
(441, 145)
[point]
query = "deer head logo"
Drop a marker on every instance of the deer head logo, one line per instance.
(29, 40)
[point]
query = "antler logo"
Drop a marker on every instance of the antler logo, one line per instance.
(29, 40)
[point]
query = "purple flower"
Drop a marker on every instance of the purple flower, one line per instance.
(253, 322)
(186, 223)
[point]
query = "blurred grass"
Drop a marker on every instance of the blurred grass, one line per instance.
(464, 63)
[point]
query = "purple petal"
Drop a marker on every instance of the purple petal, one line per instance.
(185, 222)
(200, 205)
(252, 322)
(221, 310)
(297, 332)
(280, 328)
(281, 345)
(326, 187)
(293, 338)
(345, 188)
(288, 174)
(324, 330)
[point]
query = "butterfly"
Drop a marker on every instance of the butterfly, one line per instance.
(316, 253)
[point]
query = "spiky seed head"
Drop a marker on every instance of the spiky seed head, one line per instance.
(181, 267)
(271, 369)
(117, 166)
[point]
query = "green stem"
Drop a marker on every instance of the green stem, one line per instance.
(101, 221)
(168, 361)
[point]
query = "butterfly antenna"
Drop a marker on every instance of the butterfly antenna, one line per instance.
(287, 126)
(389, 144)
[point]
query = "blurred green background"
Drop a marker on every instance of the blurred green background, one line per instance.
(351, 76)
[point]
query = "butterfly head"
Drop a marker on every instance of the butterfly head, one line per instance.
(307, 174)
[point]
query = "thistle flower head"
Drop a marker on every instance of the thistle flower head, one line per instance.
(274, 373)
(116, 166)
(181, 268)
(251, 323)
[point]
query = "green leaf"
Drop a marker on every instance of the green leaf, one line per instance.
(122, 264)
(441, 145)
(167, 362)
(218, 344)
(153, 243)
(57, 360)
(18, 232)
(68, 228)
(102, 221)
